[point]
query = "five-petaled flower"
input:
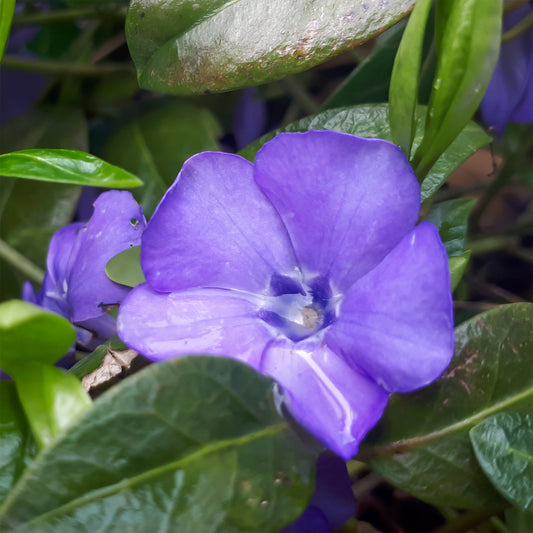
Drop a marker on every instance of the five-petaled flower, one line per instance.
(307, 265)
(75, 284)
(509, 96)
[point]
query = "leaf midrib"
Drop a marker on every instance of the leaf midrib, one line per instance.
(153, 473)
(406, 444)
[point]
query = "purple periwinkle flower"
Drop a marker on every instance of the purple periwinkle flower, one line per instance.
(308, 266)
(332, 503)
(75, 285)
(509, 96)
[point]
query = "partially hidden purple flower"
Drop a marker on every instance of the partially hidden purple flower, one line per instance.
(250, 118)
(509, 96)
(332, 503)
(308, 266)
(75, 285)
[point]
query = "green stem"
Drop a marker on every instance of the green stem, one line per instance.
(50, 17)
(20, 262)
(491, 244)
(467, 521)
(524, 25)
(65, 68)
(299, 94)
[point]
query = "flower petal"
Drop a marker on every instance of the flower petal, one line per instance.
(215, 228)
(335, 403)
(61, 252)
(117, 223)
(509, 96)
(346, 201)
(396, 323)
(206, 321)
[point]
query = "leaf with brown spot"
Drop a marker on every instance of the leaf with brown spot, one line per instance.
(422, 445)
(188, 46)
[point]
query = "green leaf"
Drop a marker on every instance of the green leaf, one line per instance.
(193, 444)
(155, 145)
(451, 219)
(29, 333)
(403, 95)
(31, 211)
(457, 265)
(469, 45)
(421, 444)
(125, 267)
(371, 121)
(184, 46)
(7, 10)
(52, 400)
(369, 81)
(518, 521)
(65, 166)
(16, 444)
(504, 448)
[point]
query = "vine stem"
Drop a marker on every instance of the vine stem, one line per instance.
(50, 17)
(20, 262)
(65, 68)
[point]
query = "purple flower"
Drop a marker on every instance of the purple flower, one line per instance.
(509, 96)
(306, 265)
(332, 503)
(250, 118)
(75, 285)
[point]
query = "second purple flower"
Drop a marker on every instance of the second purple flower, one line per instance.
(308, 266)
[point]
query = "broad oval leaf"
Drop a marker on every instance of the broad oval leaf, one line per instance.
(30, 333)
(451, 219)
(52, 400)
(504, 448)
(371, 120)
(16, 445)
(65, 166)
(421, 444)
(125, 267)
(186, 46)
(457, 265)
(193, 444)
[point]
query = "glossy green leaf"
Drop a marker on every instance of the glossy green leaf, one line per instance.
(7, 10)
(421, 445)
(403, 95)
(369, 81)
(31, 211)
(503, 445)
(16, 445)
(451, 218)
(457, 265)
(125, 267)
(51, 399)
(193, 444)
(155, 145)
(65, 166)
(29, 333)
(371, 121)
(468, 52)
(184, 46)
